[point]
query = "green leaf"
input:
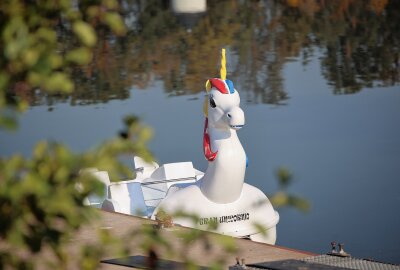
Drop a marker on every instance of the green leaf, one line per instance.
(34, 78)
(130, 120)
(45, 34)
(227, 243)
(279, 199)
(59, 82)
(261, 228)
(299, 203)
(30, 57)
(284, 177)
(40, 150)
(93, 11)
(55, 60)
(110, 4)
(79, 56)
(85, 33)
(115, 22)
(15, 35)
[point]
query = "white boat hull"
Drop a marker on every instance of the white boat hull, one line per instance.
(237, 219)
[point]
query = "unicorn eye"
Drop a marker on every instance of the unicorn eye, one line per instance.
(212, 103)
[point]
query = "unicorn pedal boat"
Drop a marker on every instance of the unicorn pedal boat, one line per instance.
(219, 195)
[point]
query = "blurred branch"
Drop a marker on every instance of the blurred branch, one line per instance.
(282, 198)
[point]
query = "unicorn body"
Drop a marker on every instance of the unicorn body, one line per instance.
(229, 167)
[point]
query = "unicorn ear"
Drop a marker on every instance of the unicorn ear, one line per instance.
(208, 86)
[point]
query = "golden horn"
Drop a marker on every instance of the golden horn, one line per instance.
(223, 65)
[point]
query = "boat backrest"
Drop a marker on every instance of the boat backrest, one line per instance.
(176, 170)
(142, 168)
(129, 196)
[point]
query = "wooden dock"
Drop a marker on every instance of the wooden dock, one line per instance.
(120, 225)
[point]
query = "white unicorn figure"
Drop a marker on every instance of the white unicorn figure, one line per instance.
(228, 162)
(221, 196)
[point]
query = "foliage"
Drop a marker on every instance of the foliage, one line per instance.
(35, 55)
(42, 198)
(284, 199)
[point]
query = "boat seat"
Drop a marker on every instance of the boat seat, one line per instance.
(93, 199)
(142, 168)
(174, 171)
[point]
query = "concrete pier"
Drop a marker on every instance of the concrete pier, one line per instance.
(120, 225)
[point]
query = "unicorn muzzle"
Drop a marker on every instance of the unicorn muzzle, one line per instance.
(235, 118)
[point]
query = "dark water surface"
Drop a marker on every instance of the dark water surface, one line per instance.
(319, 83)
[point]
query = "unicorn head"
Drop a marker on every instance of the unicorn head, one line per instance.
(222, 111)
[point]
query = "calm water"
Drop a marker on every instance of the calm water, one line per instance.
(319, 87)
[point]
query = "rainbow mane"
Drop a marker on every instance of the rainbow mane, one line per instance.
(225, 87)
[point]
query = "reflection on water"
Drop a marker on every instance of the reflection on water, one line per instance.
(359, 41)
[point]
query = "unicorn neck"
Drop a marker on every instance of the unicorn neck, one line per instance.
(223, 180)
(219, 135)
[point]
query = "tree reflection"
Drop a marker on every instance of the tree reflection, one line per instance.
(363, 50)
(359, 42)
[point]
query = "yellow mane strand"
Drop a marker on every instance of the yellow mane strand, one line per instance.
(205, 107)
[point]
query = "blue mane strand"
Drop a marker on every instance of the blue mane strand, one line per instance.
(230, 86)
